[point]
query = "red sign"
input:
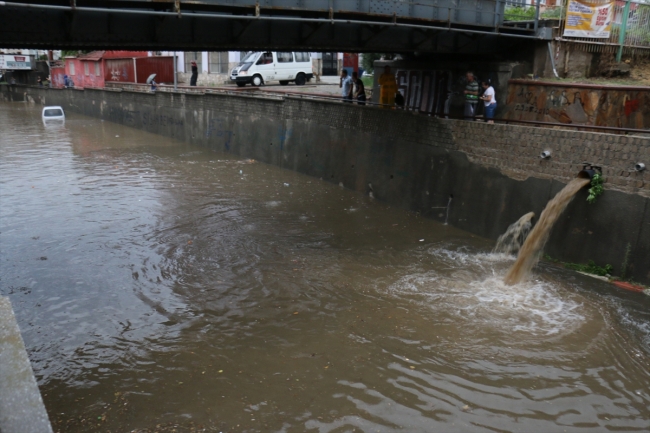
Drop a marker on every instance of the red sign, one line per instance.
(19, 58)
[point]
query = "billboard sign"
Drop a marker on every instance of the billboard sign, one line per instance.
(16, 62)
(587, 20)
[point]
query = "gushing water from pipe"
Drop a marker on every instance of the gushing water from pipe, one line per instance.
(511, 241)
(530, 251)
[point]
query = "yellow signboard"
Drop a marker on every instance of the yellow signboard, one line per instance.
(587, 20)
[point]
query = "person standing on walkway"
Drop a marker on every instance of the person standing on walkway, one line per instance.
(346, 86)
(490, 101)
(471, 96)
(195, 74)
(359, 89)
(388, 88)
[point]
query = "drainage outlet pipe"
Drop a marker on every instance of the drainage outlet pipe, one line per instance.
(639, 166)
(587, 173)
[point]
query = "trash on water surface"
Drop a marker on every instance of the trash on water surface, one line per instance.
(421, 240)
(286, 184)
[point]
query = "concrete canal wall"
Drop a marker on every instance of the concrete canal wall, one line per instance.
(417, 162)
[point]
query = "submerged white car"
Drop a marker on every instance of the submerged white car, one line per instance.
(53, 113)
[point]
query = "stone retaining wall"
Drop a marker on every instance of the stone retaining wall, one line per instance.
(573, 103)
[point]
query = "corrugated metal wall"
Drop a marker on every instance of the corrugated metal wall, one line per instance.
(163, 67)
(119, 70)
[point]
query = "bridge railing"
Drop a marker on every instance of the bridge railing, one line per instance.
(484, 13)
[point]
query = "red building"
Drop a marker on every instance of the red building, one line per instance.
(98, 67)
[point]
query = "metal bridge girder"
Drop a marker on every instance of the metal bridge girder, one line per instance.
(91, 28)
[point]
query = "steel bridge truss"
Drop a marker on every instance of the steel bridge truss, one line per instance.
(438, 26)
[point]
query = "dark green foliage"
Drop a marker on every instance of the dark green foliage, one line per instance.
(368, 61)
(596, 188)
(589, 268)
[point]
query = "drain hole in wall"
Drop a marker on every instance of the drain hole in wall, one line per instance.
(307, 155)
(332, 177)
(271, 144)
(352, 165)
(391, 176)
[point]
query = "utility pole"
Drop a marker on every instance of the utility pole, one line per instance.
(622, 30)
(175, 73)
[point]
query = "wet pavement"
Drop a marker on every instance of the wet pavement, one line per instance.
(161, 286)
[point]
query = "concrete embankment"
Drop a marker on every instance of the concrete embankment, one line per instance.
(493, 172)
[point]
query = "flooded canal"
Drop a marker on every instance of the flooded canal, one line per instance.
(165, 287)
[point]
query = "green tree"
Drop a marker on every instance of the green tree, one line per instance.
(68, 53)
(368, 60)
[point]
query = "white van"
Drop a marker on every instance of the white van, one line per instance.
(260, 67)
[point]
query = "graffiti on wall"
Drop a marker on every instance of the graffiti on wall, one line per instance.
(617, 106)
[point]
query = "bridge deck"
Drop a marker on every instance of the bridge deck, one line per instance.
(463, 26)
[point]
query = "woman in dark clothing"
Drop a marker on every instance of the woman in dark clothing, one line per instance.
(359, 89)
(195, 74)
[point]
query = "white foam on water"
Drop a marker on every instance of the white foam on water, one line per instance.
(470, 286)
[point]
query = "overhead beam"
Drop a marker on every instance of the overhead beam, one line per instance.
(100, 28)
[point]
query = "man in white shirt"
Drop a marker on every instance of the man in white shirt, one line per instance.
(346, 86)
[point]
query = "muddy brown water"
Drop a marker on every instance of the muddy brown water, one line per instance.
(161, 286)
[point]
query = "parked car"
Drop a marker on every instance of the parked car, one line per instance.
(260, 67)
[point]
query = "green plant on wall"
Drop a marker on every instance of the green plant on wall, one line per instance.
(590, 268)
(596, 188)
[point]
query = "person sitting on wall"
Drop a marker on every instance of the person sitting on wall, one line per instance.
(154, 85)
(39, 81)
(195, 74)
(471, 96)
(388, 88)
(490, 101)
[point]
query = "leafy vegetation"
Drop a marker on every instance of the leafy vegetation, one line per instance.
(368, 60)
(596, 188)
(68, 53)
(518, 13)
(590, 268)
